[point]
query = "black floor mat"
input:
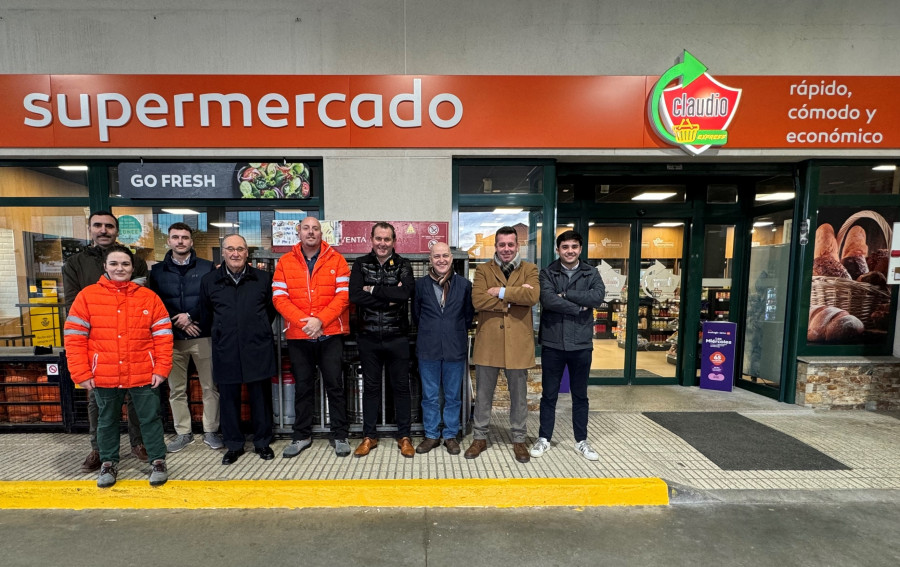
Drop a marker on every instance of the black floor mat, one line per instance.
(737, 443)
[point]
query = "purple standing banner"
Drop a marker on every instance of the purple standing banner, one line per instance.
(717, 355)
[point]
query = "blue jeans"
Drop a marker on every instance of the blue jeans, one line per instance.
(436, 374)
(553, 362)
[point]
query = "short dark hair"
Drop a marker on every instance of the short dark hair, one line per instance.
(116, 247)
(506, 230)
(180, 226)
(569, 235)
(103, 214)
(385, 225)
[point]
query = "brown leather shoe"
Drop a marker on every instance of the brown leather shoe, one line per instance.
(367, 445)
(452, 446)
(140, 452)
(92, 462)
(521, 452)
(476, 448)
(427, 444)
(406, 448)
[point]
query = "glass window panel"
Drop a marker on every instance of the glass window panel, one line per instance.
(775, 189)
(500, 179)
(31, 288)
(872, 179)
(766, 299)
(722, 194)
(43, 182)
(211, 225)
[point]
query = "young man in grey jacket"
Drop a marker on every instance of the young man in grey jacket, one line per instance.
(570, 289)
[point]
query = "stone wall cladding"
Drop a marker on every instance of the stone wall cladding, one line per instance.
(849, 383)
(501, 394)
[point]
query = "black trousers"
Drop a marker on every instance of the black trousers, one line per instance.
(376, 354)
(260, 393)
(306, 356)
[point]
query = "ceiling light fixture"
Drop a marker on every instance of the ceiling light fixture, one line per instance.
(652, 196)
(180, 211)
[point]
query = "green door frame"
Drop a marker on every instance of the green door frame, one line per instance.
(698, 214)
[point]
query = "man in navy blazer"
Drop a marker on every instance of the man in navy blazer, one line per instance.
(443, 312)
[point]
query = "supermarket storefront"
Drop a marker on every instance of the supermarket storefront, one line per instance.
(734, 167)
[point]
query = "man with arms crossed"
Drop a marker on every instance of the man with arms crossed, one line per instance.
(570, 289)
(84, 269)
(311, 291)
(176, 280)
(442, 311)
(381, 283)
(503, 293)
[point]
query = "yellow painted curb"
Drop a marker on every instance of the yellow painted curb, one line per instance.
(247, 494)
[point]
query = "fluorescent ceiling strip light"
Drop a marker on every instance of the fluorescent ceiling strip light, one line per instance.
(507, 211)
(668, 224)
(652, 196)
(782, 196)
(180, 211)
(763, 223)
(73, 167)
(884, 168)
(224, 224)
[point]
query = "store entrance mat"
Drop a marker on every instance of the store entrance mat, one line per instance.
(737, 443)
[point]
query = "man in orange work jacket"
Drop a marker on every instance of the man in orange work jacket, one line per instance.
(310, 290)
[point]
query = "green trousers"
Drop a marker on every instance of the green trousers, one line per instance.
(146, 405)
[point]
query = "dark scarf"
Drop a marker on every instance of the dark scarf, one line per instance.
(509, 268)
(444, 282)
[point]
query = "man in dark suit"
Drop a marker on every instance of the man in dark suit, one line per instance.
(236, 301)
(443, 312)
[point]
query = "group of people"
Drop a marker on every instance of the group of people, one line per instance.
(124, 338)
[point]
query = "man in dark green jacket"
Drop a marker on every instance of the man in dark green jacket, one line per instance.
(84, 269)
(570, 289)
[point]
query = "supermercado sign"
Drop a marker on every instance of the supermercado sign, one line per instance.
(434, 111)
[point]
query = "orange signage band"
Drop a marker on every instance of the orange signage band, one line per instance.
(438, 111)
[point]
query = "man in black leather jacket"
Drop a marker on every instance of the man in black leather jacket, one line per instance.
(381, 284)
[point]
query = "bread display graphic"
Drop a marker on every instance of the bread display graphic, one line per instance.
(850, 298)
(832, 325)
(853, 256)
(878, 260)
(829, 266)
(826, 243)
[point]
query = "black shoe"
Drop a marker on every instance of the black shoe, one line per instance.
(232, 456)
(265, 453)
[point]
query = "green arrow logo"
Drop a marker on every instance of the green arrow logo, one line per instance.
(689, 69)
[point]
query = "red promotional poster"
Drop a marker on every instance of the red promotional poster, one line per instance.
(352, 237)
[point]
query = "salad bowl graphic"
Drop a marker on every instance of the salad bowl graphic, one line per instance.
(273, 180)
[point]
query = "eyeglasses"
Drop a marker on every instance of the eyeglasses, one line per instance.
(232, 249)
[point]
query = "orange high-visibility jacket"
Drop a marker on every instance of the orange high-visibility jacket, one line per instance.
(119, 334)
(324, 294)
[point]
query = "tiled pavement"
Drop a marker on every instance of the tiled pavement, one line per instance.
(630, 445)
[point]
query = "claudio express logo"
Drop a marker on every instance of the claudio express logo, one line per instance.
(690, 109)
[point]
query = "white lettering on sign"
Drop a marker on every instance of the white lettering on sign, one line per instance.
(167, 180)
(829, 110)
(272, 110)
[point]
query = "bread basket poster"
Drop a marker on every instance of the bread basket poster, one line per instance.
(850, 301)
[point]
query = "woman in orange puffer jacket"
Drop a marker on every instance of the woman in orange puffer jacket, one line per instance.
(118, 339)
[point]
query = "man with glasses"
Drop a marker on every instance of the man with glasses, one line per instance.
(236, 302)
(177, 282)
(81, 270)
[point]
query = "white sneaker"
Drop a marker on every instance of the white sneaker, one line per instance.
(539, 447)
(585, 449)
